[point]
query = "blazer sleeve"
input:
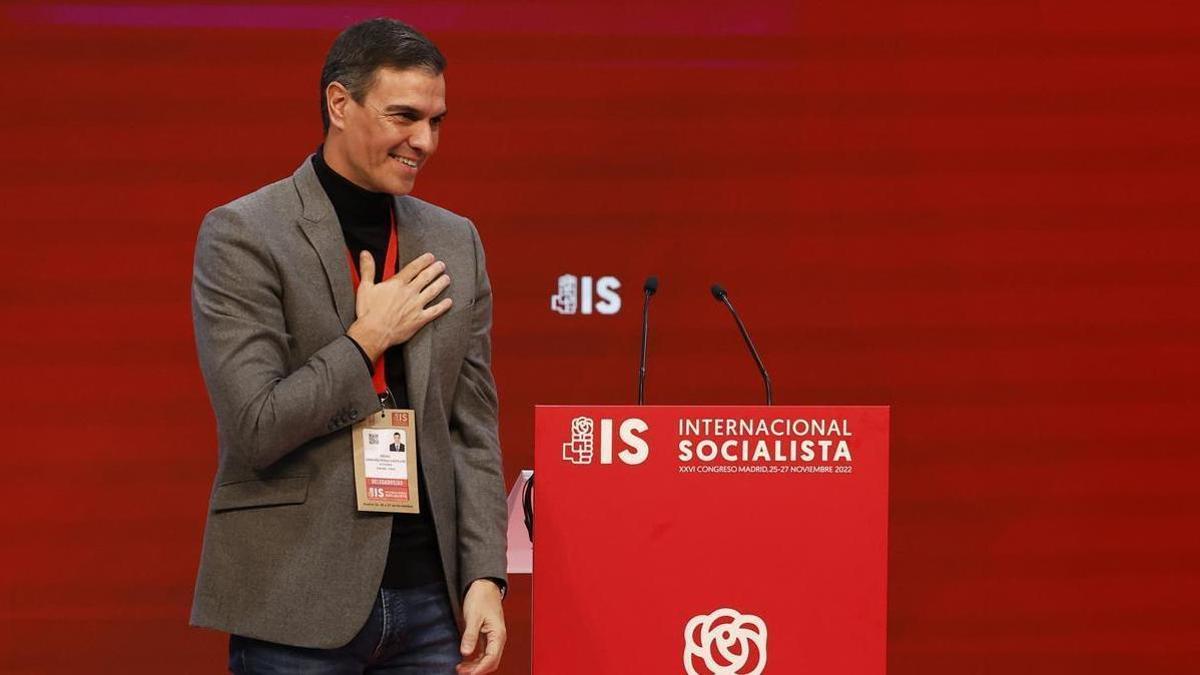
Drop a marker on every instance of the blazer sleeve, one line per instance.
(263, 411)
(475, 447)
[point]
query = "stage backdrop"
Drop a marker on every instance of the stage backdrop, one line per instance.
(980, 214)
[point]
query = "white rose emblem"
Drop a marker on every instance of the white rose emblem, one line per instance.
(725, 642)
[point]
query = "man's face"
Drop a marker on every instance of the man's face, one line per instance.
(385, 140)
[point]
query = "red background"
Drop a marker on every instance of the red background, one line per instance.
(978, 213)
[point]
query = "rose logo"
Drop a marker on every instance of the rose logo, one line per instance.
(725, 642)
(581, 426)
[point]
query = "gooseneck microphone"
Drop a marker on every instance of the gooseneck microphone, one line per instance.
(648, 289)
(722, 296)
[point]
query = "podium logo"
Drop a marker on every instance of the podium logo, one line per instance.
(579, 295)
(580, 449)
(725, 642)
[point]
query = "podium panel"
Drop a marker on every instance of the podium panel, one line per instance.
(710, 540)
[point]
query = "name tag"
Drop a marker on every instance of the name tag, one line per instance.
(385, 462)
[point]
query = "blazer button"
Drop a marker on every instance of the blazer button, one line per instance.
(354, 413)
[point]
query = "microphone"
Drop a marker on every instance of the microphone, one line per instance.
(722, 296)
(648, 289)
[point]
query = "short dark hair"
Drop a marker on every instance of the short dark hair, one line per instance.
(362, 49)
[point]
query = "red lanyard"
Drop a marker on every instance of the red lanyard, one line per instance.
(389, 270)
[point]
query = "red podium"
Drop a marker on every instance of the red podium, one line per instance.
(710, 540)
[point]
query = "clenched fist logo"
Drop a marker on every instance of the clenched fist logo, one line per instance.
(725, 642)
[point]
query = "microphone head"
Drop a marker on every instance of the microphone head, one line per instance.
(651, 286)
(718, 292)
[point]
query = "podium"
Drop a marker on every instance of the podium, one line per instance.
(710, 540)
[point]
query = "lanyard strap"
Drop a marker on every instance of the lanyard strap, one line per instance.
(389, 270)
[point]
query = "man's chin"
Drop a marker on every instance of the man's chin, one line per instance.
(398, 188)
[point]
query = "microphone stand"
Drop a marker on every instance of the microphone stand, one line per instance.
(722, 296)
(649, 289)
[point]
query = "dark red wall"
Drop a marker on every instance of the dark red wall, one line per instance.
(981, 214)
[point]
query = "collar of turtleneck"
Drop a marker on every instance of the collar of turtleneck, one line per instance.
(357, 209)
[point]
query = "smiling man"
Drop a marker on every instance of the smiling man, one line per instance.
(319, 300)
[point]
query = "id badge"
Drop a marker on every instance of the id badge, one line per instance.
(385, 462)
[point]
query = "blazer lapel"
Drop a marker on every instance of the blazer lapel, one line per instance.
(418, 350)
(320, 225)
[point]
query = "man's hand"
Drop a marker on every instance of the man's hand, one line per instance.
(391, 312)
(485, 635)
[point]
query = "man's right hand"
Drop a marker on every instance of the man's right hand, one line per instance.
(391, 312)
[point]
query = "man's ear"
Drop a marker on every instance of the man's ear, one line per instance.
(336, 100)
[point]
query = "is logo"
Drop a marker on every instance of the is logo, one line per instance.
(579, 295)
(725, 642)
(581, 448)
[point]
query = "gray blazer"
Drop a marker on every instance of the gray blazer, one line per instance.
(287, 556)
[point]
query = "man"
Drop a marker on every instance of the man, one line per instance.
(397, 445)
(294, 353)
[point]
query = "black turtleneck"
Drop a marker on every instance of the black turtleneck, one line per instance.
(413, 558)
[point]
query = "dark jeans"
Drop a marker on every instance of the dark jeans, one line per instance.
(410, 632)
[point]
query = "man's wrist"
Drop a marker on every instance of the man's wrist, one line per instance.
(498, 583)
(366, 340)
